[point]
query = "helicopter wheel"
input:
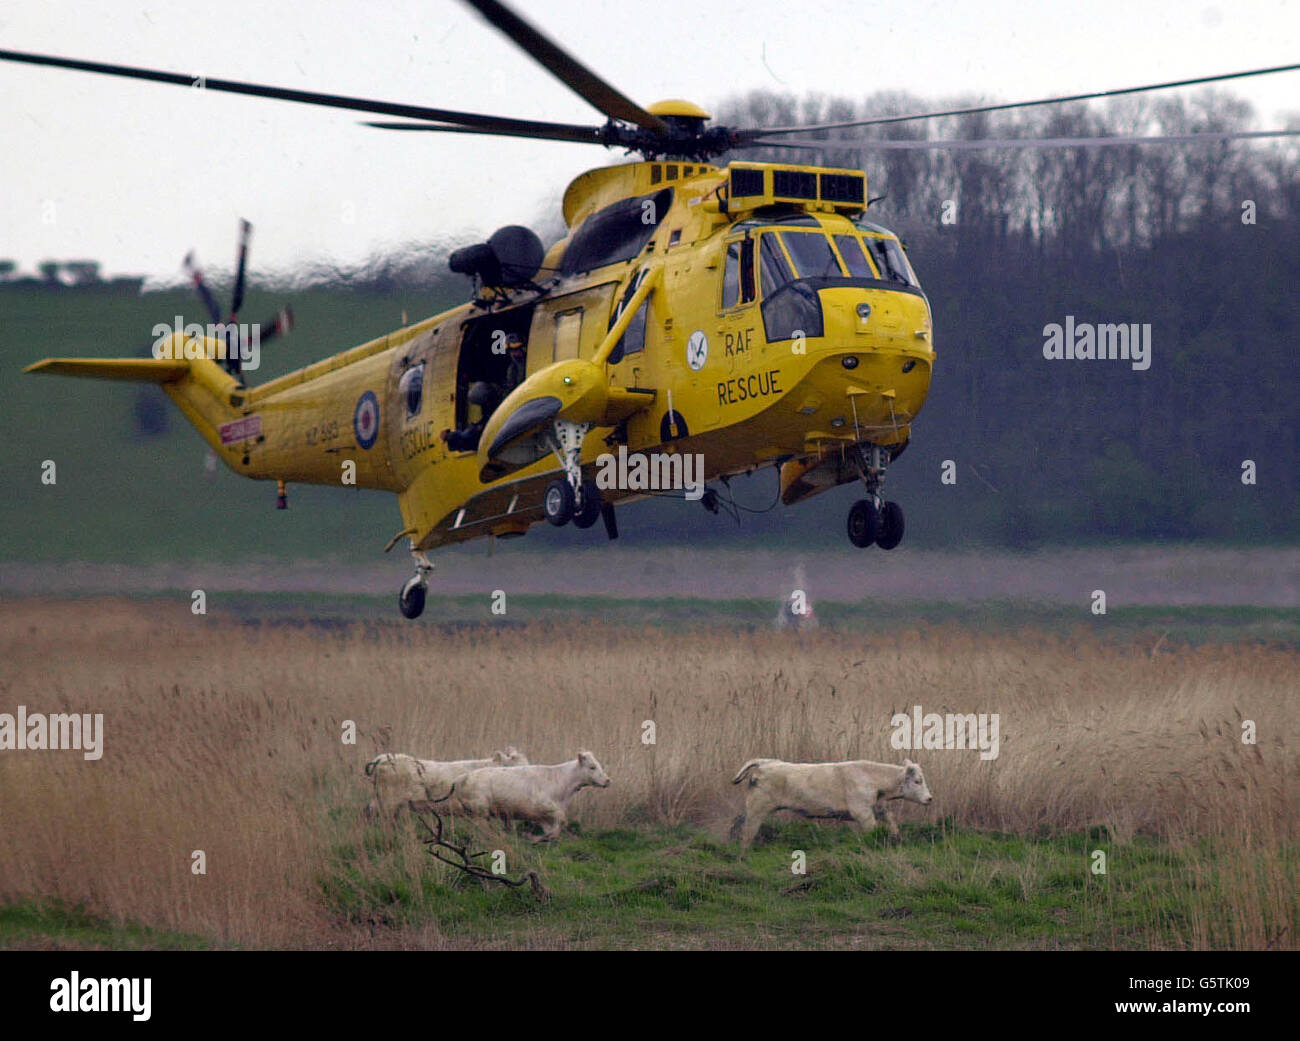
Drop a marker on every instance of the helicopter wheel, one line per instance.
(891, 526)
(588, 511)
(558, 502)
(411, 599)
(864, 523)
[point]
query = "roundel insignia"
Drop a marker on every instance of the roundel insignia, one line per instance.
(697, 350)
(365, 420)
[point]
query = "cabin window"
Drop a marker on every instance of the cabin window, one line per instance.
(812, 254)
(854, 259)
(633, 341)
(411, 389)
(891, 261)
(738, 276)
(568, 334)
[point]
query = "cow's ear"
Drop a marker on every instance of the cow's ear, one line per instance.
(909, 764)
(584, 757)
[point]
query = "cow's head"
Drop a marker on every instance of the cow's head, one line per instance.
(591, 772)
(510, 756)
(913, 787)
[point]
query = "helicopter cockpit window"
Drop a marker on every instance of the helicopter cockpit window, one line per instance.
(812, 254)
(776, 272)
(791, 307)
(618, 232)
(891, 261)
(738, 276)
(854, 259)
(411, 389)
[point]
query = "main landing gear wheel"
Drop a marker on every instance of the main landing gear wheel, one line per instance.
(589, 504)
(864, 523)
(558, 502)
(562, 495)
(891, 526)
(410, 601)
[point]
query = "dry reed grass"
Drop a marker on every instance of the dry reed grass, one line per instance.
(226, 737)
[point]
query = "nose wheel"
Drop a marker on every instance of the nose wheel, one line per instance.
(872, 521)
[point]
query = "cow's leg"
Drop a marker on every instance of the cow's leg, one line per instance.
(552, 821)
(880, 810)
(864, 816)
(736, 827)
(757, 807)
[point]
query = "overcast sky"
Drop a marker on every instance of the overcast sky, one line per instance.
(134, 174)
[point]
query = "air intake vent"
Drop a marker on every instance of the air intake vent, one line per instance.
(746, 182)
(794, 184)
(757, 185)
(844, 188)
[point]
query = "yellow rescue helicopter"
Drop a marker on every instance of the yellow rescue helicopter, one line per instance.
(743, 315)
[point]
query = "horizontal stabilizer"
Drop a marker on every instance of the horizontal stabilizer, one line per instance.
(139, 370)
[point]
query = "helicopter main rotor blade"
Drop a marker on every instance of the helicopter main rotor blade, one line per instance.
(493, 124)
(757, 132)
(241, 268)
(565, 67)
(987, 143)
(537, 131)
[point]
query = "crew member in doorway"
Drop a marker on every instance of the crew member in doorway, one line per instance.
(515, 371)
(487, 398)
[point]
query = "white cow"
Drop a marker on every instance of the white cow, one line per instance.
(531, 793)
(400, 779)
(858, 790)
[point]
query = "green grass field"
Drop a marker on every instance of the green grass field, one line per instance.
(648, 887)
(651, 887)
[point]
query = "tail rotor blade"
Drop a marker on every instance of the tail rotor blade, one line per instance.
(281, 324)
(205, 294)
(237, 299)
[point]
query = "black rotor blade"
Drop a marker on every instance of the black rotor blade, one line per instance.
(565, 67)
(972, 110)
(988, 143)
(537, 131)
(205, 294)
(494, 124)
(277, 326)
(237, 297)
